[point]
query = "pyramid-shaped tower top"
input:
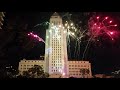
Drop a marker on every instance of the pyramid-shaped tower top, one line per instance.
(56, 19)
(55, 14)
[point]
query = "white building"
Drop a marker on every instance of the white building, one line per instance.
(56, 60)
(24, 64)
(75, 68)
(56, 47)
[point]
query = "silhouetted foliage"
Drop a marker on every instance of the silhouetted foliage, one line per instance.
(35, 72)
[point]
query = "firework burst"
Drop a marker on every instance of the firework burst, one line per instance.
(36, 37)
(99, 26)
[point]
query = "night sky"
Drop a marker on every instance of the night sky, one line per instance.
(16, 45)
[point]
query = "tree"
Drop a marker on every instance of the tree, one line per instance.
(26, 74)
(84, 72)
(35, 72)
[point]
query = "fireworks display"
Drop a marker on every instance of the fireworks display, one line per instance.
(96, 27)
(36, 37)
(76, 34)
(99, 26)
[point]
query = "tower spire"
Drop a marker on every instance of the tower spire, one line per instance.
(55, 14)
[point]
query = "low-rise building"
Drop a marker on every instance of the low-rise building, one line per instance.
(77, 69)
(102, 76)
(24, 64)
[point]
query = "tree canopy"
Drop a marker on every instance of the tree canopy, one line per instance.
(35, 72)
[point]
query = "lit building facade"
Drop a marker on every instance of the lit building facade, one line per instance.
(76, 69)
(24, 64)
(2, 15)
(56, 60)
(56, 47)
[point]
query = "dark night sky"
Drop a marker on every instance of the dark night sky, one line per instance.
(14, 42)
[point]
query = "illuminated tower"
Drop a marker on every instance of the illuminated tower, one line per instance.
(56, 47)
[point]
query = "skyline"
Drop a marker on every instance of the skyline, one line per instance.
(100, 62)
